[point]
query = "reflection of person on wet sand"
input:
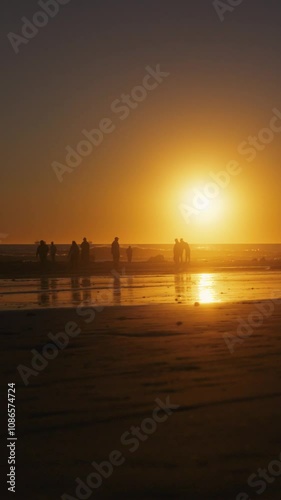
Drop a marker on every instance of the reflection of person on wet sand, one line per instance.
(43, 296)
(76, 294)
(182, 287)
(130, 289)
(117, 289)
(87, 295)
(179, 285)
(53, 290)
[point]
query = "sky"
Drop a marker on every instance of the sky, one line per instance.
(147, 179)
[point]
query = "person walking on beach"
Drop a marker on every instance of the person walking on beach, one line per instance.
(115, 250)
(53, 252)
(129, 253)
(185, 249)
(42, 252)
(177, 251)
(181, 250)
(74, 254)
(85, 252)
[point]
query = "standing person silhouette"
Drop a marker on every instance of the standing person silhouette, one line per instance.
(181, 249)
(85, 252)
(185, 250)
(115, 250)
(177, 251)
(187, 253)
(53, 252)
(42, 252)
(129, 253)
(74, 254)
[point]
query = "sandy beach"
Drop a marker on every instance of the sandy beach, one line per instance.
(75, 411)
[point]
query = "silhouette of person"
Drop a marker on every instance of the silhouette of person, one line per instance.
(115, 250)
(85, 252)
(129, 253)
(42, 252)
(187, 253)
(186, 250)
(74, 254)
(53, 252)
(181, 249)
(177, 251)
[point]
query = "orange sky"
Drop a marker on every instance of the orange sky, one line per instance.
(221, 89)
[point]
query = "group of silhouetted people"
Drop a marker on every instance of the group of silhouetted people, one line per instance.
(75, 253)
(181, 252)
(43, 250)
(79, 254)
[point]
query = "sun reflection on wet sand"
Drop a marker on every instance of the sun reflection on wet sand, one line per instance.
(207, 294)
(180, 288)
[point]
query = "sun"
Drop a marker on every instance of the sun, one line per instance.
(200, 210)
(212, 213)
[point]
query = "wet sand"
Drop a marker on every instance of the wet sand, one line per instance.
(139, 289)
(75, 411)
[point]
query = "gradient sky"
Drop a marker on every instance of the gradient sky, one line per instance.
(225, 79)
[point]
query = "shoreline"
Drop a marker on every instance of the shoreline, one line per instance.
(21, 269)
